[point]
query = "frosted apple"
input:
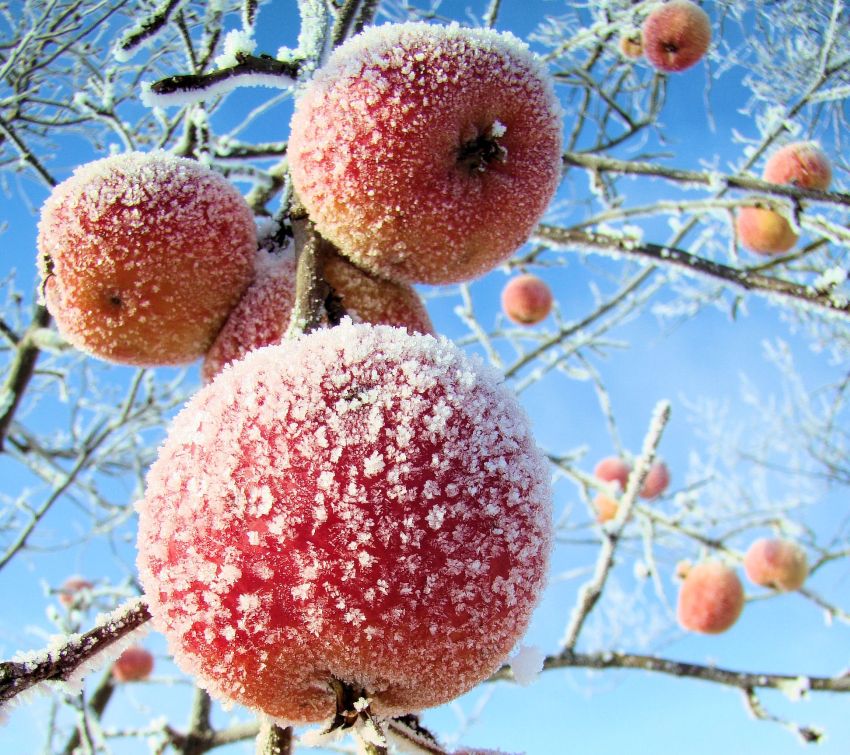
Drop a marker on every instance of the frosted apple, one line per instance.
(73, 590)
(711, 598)
(142, 256)
(358, 504)
(427, 153)
(656, 481)
(676, 35)
(133, 665)
(631, 44)
(262, 315)
(527, 299)
(776, 563)
(605, 507)
(801, 163)
(613, 469)
(764, 231)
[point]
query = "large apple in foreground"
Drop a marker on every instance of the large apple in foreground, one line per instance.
(358, 506)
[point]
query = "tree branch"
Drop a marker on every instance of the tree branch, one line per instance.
(61, 663)
(554, 236)
(740, 679)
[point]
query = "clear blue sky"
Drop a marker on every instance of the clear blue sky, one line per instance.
(564, 711)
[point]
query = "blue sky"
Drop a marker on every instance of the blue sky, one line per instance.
(564, 711)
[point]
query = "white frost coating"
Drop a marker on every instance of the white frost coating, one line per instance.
(526, 664)
(236, 41)
(73, 684)
(795, 689)
(403, 567)
(213, 89)
(830, 278)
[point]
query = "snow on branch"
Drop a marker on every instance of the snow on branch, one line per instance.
(740, 679)
(63, 661)
(564, 238)
(711, 180)
(250, 70)
(146, 30)
(591, 591)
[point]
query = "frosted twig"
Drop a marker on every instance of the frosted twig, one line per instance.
(413, 736)
(249, 70)
(808, 734)
(731, 678)
(21, 370)
(637, 168)
(147, 29)
(591, 591)
(61, 663)
(273, 739)
(311, 289)
(565, 238)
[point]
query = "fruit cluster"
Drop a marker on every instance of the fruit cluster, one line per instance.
(362, 508)
(801, 164)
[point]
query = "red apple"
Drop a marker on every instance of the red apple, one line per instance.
(360, 505)
(711, 598)
(262, 315)
(802, 163)
(133, 665)
(676, 35)
(527, 299)
(427, 153)
(142, 256)
(780, 564)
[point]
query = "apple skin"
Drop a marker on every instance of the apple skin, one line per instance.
(613, 469)
(262, 315)
(605, 507)
(676, 36)
(527, 300)
(764, 231)
(711, 598)
(70, 592)
(133, 665)
(801, 163)
(773, 562)
(656, 480)
(143, 255)
(631, 45)
(358, 504)
(427, 153)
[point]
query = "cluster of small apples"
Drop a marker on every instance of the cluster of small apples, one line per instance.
(711, 597)
(616, 472)
(801, 164)
(364, 507)
(675, 36)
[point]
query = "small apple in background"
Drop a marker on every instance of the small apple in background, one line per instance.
(527, 299)
(776, 563)
(143, 255)
(711, 598)
(656, 480)
(426, 153)
(802, 164)
(73, 591)
(631, 44)
(676, 35)
(764, 231)
(613, 469)
(133, 665)
(606, 508)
